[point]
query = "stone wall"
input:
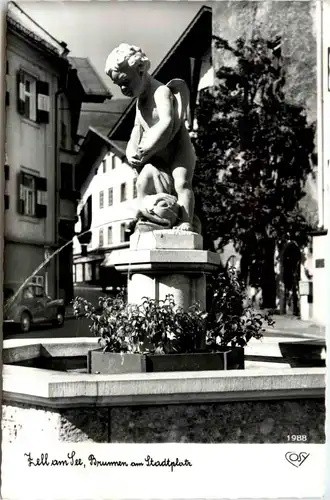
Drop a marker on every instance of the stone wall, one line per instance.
(228, 422)
(294, 21)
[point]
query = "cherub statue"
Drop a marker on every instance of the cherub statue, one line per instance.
(159, 148)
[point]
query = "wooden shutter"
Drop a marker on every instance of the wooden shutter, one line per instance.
(43, 102)
(86, 221)
(20, 92)
(7, 84)
(20, 198)
(41, 192)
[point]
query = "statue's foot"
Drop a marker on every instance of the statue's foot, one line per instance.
(184, 226)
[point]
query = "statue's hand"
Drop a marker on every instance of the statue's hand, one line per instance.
(136, 160)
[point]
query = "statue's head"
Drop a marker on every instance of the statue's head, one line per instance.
(127, 65)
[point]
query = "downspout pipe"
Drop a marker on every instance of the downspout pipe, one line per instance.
(58, 93)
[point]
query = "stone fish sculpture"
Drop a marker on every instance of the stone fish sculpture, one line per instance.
(159, 148)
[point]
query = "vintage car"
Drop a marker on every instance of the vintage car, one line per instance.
(32, 306)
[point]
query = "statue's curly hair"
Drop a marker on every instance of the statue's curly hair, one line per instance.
(126, 54)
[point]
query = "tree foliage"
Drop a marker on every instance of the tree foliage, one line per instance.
(255, 149)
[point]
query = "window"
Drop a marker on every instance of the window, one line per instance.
(134, 188)
(32, 98)
(110, 235)
(28, 195)
(88, 271)
(110, 197)
(32, 195)
(79, 273)
(123, 192)
(97, 271)
(101, 199)
(122, 232)
(39, 292)
(38, 280)
(6, 202)
(74, 273)
(104, 166)
(113, 162)
(101, 239)
(29, 94)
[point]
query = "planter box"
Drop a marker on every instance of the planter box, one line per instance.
(111, 363)
(229, 359)
(304, 354)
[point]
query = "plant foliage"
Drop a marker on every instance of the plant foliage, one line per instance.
(162, 327)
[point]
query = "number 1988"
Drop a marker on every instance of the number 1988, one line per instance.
(297, 438)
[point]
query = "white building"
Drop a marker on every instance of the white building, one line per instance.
(112, 188)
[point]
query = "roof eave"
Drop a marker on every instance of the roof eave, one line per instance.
(96, 98)
(35, 41)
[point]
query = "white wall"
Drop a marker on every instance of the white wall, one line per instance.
(113, 215)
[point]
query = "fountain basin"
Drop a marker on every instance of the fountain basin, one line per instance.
(250, 406)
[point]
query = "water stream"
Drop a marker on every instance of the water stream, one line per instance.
(12, 299)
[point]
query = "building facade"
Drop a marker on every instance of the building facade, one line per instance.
(44, 93)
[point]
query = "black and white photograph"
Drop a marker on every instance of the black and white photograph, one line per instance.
(165, 256)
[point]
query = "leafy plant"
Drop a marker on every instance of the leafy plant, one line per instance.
(161, 327)
(232, 320)
(154, 326)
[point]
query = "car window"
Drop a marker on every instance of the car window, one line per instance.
(39, 292)
(28, 293)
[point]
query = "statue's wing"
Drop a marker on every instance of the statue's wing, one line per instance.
(180, 90)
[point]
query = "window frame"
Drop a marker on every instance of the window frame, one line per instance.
(110, 232)
(101, 199)
(101, 237)
(123, 192)
(110, 190)
(122, 232)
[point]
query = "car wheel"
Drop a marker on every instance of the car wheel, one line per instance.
(59, 320)
(25, 322)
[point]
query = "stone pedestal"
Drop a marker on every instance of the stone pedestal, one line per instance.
(163, 262)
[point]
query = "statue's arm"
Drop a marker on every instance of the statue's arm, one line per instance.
(158, 136)
(132, 145)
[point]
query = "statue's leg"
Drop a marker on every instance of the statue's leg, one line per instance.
(182, 172)
(145, 184)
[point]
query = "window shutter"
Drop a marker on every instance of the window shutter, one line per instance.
(20, 93)
(41, 190)
(86, 221)
(43, 102)
(20, 198)
(7, 83)
(6, 172)
(86, 215)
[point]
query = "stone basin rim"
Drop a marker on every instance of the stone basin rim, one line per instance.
(63, 389)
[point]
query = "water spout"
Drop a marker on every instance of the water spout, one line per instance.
(11, 299)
